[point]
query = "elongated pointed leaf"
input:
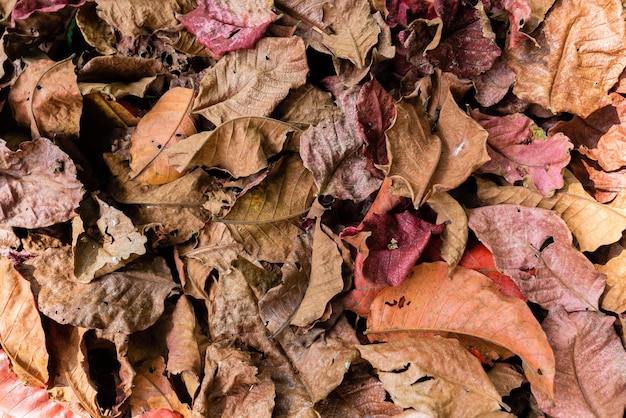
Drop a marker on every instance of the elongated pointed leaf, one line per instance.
(451, 214)
(468, 304)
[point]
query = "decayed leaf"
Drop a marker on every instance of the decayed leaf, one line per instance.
(521, 151)
(46, 99)
(493, 85)
(600, 136)
(590, 366)
(451, 214)
(376, 112)
(144, 18)
(252, 82)
(19, 400)
(413, 152)
(574, 205)
(228, 25)
(334, 154)
(152, 390)
(70, 358)
(523, 239)
(240, 146)
(40, 185)
(415, 374)
(128, 300)
(467, 304)
(119, 242)
(21, 332)
(325, 279)
(614, 297)
(581, 44)
(167, 123)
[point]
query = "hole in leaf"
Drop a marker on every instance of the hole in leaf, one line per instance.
(549, 240)
(423, 379)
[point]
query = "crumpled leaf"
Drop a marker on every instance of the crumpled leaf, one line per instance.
(590, 366)
(521, 151)
(534, 247)
(492, 85)
(95, 31)
(227, 25)
(518, 12)
(142, 18)
(252, 82)
(574, 205)
(603, 186)
(46, 99)
(581, 44)
(450, 213)
(128, 300)
(472, 306)
(413, 152)
(152, 390)
(17, 399)
(376, 112)
(39, 183)
(24, 8)
(412, 371)
(167, 123)
(240, 146)
(600, 136)
(614, 297)
(118, 242)
(305, 105)
(334, 154)
(21, 331)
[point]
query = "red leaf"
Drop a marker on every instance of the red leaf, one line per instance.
(376, 112)
(477, 257)
(24, 8)
(359, 299)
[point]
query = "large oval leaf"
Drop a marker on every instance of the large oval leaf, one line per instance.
(466, 304)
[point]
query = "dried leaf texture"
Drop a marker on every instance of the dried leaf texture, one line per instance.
(574, 205)
(451, 214)
(581, 44)
(522, 239)
(614, 297)
(412, 371)
(21, 331)
(252, 82)
(39, 183)
(167, 123)
(466, 304)
(143, 18)
(590, 366)
(46, 99)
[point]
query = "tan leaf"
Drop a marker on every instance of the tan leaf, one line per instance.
(266, 241)
(414, 372)
(152, 390)
(581, 43)
(110, 109)
(95, 31)
(472, 305)
(505, 378)
(171, 224)
(39, 183)
(167, 123)
(574, 205)
(413, 152)
(252, 82)
(21, 331)
(118, 242)
(142, 18)
(128, 300)
(240, 146)
(614, 298)
(305, 105)
(70, 354)
(325, 281)
(118, 90)
(451, 213)
(46, 99)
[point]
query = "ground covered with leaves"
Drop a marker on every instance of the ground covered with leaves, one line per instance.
(239, 208)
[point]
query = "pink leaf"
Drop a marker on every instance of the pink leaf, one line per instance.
(519, 149)
(590, 375)
(24, 8)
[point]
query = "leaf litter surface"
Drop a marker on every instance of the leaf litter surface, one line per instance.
(308, 208)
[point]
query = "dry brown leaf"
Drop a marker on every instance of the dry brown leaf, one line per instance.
(40, 185)
(266, 241)
(118, 90)
(614, 297)
(21, 331)
(117, 244)
(305, 105)
(435, 376)
(95, 31)
(574, 205)
(325, 279)
(240, 146)
(581, 44)
(171, 224)
(451, 213)
(142, 18)
(110, 109)
(128, 300)
(505, 378)
(413, 152)
(46, 99)
(167, 123)
(252, 82)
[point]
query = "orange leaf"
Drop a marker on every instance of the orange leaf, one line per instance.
(467, 304)
(168, 122)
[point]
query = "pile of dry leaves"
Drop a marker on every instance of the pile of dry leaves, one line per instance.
(346, 208)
